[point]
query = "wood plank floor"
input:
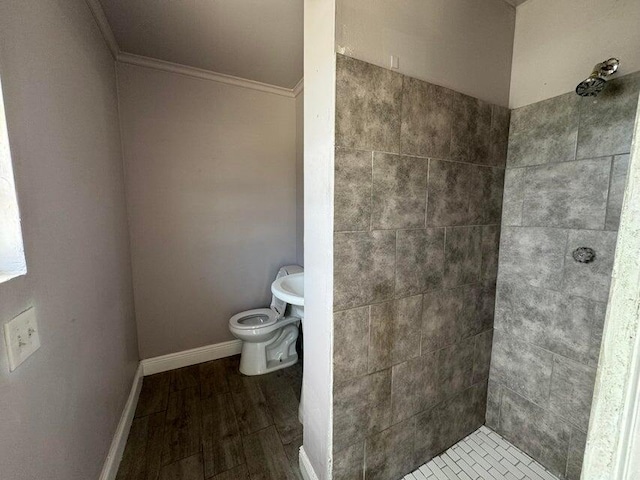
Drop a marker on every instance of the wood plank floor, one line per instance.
(208, 421)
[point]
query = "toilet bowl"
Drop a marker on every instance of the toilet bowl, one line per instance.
(268, 335)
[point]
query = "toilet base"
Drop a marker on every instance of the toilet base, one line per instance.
(258, 358)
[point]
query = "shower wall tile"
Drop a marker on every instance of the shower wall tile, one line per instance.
(455, 367)
(571, 391)
(399, 191)
(352, 190)
(533, 256)
(576, 454)
(616, 191)
(539, 433)
(544, 132)
(482, 356)
(551, 320)
(571, 195)
(494, 401)
(500, 118)
(590, 280)
(449, 316)
(364, 266)
(451, 188)
(415, 386)
(606, 121)
(490, 247)
(420, 260)
(390, 454)
(471, 132)
(597, 328)
(394, 332)
(350, 344)
(491, 200)
(361, 407)
(348, 463)
(448, 422)
(368, 100)
(513, 198)
(462, 256)
(522, 367)
(426, 119)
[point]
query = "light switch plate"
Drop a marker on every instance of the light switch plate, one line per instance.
(21, 337)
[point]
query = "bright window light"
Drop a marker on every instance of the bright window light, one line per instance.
(12, 261)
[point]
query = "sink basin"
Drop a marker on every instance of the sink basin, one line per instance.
(290, 289)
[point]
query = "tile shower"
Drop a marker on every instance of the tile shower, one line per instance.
(419, 175)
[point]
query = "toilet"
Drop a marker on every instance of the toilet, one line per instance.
(268, 334)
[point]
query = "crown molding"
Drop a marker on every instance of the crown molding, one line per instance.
(141, 61)
(103, 25)
(299, 88)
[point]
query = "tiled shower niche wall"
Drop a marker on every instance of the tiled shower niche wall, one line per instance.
(419, 172)
(565, 179)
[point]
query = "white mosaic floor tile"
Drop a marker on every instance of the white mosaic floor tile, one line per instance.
(483, 455)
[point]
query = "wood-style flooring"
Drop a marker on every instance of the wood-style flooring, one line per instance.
(208, 421)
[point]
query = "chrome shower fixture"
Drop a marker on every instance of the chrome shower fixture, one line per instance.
(596, 82)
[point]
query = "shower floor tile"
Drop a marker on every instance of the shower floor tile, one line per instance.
(483, 455)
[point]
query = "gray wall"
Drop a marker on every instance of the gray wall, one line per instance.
(418, 196)
(564, 184)
(211, 195)
(59, 409)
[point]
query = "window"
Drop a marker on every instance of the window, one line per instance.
(12, 261)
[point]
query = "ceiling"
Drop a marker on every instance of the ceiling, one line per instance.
(259, 40)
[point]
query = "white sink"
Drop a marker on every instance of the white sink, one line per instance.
(290, 289)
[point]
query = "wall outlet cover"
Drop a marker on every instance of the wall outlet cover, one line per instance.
(21, 337)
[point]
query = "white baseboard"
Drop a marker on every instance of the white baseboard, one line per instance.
(190, 357)
(306, 469)
(111, 464)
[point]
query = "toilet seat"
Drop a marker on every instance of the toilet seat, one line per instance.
(254, 319)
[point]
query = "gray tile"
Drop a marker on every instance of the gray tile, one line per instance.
(394, 332)
(426, 119)
(571, 195)
(420, 260)
(576, 454)
(521, 367)
(448, 422)
(537, 432)
(361, 407)
(597, 327)
(490, 203)
(544, 132)
(399, 191)
(449, 316)
(485, 309)
(350, 344)
(617, 186)
(455, 367)
(462, 256)
(606, 121)
(471, 132)
(482, 356)
(364, 267)
(389, 454)
(513, 197)
(551, 320)
(368, 100)
(415, 386)
(489, 250)
(532, 256)
(353, 174)
(455, 194)
(590, 280)
(572, 391)
(494, 400)
(500, 118)
(348, 463)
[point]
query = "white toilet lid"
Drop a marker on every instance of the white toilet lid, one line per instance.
(253, 319)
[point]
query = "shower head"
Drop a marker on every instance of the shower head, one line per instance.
(596, 82)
